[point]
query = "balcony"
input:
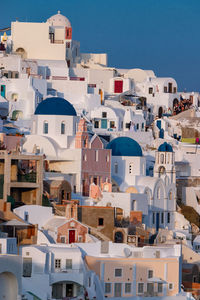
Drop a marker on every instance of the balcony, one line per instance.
(57, 42)
(30, 177)
(150, 294)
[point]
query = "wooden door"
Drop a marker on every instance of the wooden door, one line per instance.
(71, 236)
(118, 86)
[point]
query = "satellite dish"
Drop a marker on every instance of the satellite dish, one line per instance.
(127, 252)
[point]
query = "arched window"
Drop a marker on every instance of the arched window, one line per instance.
(45, 127)
(162, 158)
(158, 193)
(116, 168)
(62, 128)
(166, 180)
(170, 195)
(162, 171)
(134, 205)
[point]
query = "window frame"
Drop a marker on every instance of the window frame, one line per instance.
(160, 284)
(61, 237)
(125, 287)
(104, 114)
(139, 284)
(45, 127)
(106, 285)
(62, 129)
(57, 263)
(102, 219)
(149, 270)
(117, 269)
(71, 264)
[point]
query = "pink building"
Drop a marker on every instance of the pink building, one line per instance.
(66, 231)
(96, 161)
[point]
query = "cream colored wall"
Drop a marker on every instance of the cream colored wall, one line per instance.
(34, 39)
(190, 256)
(59, 33)
(165, 268)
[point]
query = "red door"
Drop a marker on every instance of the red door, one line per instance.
(71, 236)
(118, 86)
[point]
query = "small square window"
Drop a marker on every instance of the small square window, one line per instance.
(150, 273)
(112, 124)
(107, 287)
(104, 114)
(170, 286)
(150, 90)
(80, 239)
(128, 288)
(100, 222)
(62, 239)
(118, 272)
(57, 263)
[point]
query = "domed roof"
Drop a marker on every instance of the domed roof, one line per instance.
(165, 147)
(59, 20)
(124, 146)
(55, 106)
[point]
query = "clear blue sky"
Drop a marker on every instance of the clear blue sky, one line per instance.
(162, 35)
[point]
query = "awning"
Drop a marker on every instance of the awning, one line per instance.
(156, 280)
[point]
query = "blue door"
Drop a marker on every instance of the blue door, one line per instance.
(158, 123)
(3, 91)
(157, 221)
(104, 123)
(161, 134)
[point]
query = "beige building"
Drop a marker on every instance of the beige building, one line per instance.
(47, 40)
(142, 272)
(21, 177)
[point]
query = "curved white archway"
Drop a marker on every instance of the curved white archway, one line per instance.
(8, 286)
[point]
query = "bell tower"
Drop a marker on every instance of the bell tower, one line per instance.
(164, 165)
(82, 137)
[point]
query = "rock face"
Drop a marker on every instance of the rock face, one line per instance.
(189, 132)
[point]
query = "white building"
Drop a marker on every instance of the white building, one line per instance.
(52, 272)
(10, 270)
(129, 173)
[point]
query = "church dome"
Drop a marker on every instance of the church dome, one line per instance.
(124, 146)
(55, 106)
(165, 147)
(59, 20)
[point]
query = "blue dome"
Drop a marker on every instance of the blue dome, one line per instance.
(55, 106)
(124, 146)
(165, 147)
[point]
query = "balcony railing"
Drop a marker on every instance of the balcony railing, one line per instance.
(57, 42)
(30, 177)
